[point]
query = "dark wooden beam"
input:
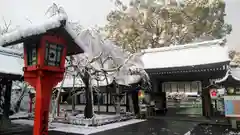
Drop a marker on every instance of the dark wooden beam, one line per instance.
(185, 69)
(10, 76)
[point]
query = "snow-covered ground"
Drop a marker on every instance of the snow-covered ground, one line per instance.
(103, 108)
(69, 128)
(213, 129)
(20, 115)
(98, 120)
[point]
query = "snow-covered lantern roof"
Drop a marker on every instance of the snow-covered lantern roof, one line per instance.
(57, 24)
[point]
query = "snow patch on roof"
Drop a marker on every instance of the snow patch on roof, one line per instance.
(12, 61)
(185, 46)
(207, 52)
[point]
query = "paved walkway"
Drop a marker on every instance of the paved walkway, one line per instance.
(220, 121)
(153, 127)
(208, 129)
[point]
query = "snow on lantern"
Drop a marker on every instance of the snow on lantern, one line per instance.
(45, 48)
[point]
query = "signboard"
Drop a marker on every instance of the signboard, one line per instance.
(232, 106)
(213, 93)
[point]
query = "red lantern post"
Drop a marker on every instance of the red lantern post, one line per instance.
(44, 68)
(44, 61)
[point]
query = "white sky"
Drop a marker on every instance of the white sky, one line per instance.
(91, 12)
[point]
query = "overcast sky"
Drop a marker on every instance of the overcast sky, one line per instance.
(91, 12)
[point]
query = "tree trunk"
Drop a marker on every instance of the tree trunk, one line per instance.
(16, 106)
(88, 111)
(98, 97)
(92, 99)
(107, 87)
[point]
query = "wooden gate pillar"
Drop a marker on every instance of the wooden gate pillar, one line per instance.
(207, 108)
(5, 95)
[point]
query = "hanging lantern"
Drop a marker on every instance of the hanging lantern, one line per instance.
(141, 94)
(230, 90)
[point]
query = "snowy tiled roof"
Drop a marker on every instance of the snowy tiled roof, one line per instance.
(208, 52)
(233, 72)
(11, 61)
(57, 21)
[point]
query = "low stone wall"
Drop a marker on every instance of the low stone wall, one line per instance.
(95, 121)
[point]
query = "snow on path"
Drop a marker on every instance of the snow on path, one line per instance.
(82, 129)
(19, 115)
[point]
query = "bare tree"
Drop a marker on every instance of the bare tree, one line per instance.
(24, 87)
(84, 65)
(6, 26)
(90, 73)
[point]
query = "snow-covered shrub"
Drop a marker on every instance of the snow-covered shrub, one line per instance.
(177, 96)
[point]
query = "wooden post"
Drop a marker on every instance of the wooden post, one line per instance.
(30, 102)
(233, 123)
(118, 107)
(6, 94)
(7, 97)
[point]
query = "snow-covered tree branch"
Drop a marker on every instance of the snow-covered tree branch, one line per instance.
(102, 62)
